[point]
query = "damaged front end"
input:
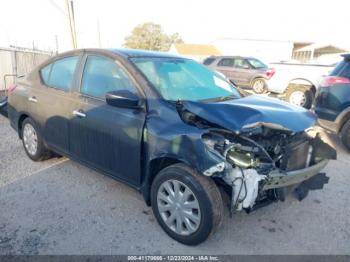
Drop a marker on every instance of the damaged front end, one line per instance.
(265, 164)
(262, 162)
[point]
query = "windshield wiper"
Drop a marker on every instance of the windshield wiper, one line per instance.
(220, 98)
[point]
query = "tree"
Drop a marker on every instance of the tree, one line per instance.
(150, 36)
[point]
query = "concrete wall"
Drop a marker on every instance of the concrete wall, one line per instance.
(18, 62)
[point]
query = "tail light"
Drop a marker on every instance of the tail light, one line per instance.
(11, 88)
(334, 80)
(270, 72)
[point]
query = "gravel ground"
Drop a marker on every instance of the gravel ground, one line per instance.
(61, 207)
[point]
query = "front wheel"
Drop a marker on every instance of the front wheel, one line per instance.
(259, 86)
(300, 96)
(187, 205)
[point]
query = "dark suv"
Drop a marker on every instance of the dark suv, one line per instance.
(170, 128)
(332, 103)
(246, 72)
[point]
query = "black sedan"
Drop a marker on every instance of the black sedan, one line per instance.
(169, 127)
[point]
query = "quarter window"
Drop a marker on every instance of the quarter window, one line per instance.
(45, 73)
(102, 75)
(60, 74)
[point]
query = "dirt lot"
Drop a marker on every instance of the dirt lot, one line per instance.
(61, 207)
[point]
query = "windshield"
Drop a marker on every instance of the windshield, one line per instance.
(257, 63)
(184, 79)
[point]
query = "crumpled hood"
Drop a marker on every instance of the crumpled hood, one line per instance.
(251, 111)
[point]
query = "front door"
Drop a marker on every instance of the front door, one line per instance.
(242, 71)
(106, 137)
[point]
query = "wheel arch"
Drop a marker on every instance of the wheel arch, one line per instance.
(304, 82)
(21, 118)
(153, 168)
(256, 78)
(343, 117)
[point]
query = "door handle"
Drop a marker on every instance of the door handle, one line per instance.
(33, 99)
(79, 113)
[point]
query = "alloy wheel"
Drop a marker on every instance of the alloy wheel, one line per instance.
(259, 86)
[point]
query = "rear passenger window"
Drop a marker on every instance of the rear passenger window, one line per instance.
(226, 62)
(102, 75)
(208, 61)
(342, 69)
(60, 74)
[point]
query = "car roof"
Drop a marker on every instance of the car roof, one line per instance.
(141, 53)
(233, 56)
(124, 52)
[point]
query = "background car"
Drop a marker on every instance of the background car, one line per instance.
(332, 103)
(297, 83)
(247, 72)
(293, 82)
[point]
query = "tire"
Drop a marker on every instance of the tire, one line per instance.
(259, 86)
(40, 152)
(300, 95)
(345, 135)
(203, 189)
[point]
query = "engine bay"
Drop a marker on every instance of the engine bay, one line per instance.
(254, 157)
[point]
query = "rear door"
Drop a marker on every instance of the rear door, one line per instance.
(106, 137)
(50, 101)
(225, 66)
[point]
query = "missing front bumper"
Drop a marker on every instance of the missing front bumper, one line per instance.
(278, 179)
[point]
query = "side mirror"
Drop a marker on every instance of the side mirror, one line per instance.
(122, 98)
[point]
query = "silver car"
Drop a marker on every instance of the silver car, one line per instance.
(246, 72)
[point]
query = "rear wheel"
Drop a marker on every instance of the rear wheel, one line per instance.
(32, 141)
(300, 95)
(345, 135)
(259, 86)
(187, 205)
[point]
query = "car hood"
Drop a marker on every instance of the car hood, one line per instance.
(253, 111)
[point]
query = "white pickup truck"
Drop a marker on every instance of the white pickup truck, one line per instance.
(297, 83)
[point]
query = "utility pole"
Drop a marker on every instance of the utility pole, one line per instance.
(99, 33)
(56, 43)
(70, 11)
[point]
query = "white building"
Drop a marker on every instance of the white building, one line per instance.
(266, 50)
(196, 52)
(318, 53)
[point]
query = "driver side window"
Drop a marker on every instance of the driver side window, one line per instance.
(102, 75)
